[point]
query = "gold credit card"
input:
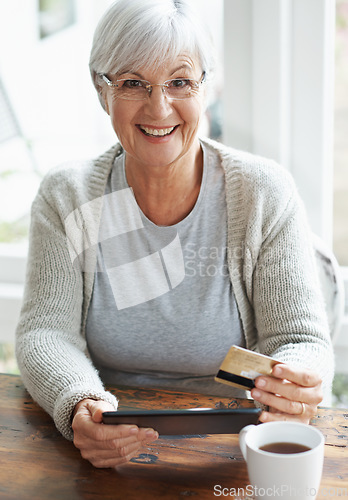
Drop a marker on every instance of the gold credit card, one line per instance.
(241, 366)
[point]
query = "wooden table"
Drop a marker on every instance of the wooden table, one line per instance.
(36, 462)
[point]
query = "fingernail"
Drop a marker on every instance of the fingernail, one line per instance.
(277, 370)
(150, 433)
(133, 430)
(256, 394)
(261, 382)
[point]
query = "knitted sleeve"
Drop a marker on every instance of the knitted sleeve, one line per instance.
(51, 352)
(289, 310)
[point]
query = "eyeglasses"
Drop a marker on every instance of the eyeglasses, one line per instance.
(139, 90)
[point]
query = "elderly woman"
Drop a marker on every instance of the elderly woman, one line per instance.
(148, 263)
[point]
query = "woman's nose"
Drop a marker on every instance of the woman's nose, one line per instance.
(157, 104)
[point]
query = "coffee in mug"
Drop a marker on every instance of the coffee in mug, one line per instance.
(285, 448)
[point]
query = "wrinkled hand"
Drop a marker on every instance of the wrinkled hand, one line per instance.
(106, 445)
(292, 394)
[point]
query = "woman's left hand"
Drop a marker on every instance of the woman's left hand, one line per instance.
(292, 394)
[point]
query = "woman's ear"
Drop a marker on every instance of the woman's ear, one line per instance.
(103, 99)
(101, 93)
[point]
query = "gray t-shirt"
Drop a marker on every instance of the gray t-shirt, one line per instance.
(163, 313)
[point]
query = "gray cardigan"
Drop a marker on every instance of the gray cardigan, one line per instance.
(271, 265)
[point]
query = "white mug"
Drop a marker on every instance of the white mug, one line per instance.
(279, 475)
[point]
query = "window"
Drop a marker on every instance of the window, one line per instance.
(278, 101)
(47, 99)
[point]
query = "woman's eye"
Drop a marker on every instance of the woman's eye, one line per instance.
(132, 84)
(180, 83)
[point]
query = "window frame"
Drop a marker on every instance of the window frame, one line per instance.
(279, 92)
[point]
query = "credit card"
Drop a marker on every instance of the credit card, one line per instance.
(241, 366)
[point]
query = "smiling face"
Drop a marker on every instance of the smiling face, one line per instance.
(158, 131)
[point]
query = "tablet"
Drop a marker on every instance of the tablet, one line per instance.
(187, 422)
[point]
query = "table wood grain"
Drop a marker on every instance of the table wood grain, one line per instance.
(37, 463)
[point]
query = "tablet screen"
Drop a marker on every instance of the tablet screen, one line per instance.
(187, 422)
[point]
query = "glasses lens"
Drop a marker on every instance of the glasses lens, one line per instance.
(133, 90)
(181, 88)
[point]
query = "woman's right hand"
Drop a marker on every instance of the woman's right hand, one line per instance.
(106, 445)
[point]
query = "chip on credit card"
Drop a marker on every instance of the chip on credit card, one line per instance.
(241, 366)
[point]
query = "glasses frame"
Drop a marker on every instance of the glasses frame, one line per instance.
(149, 86)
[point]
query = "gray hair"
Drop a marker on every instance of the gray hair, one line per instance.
(147, 33)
